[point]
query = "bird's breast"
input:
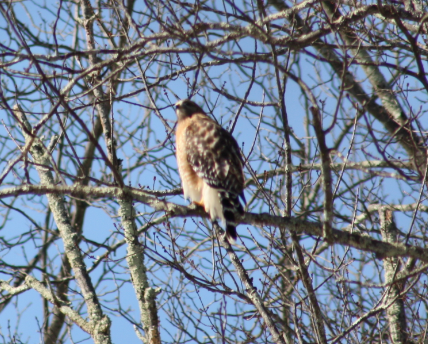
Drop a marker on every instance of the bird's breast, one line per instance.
(192, 184)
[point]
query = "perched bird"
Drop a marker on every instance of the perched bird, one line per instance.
(210, 165)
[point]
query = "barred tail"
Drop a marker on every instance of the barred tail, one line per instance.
(232, 210)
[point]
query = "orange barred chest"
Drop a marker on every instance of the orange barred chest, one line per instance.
(192, 184)
(194, 187)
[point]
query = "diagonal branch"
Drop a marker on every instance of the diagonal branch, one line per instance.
(249, 287)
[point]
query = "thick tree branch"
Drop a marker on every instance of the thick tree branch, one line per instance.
(146, 295)
(396, 311)
(356, 240)
(101, 322)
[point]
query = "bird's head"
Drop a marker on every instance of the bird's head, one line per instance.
(186, 108)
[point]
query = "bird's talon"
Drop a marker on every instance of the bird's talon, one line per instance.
(198, 204)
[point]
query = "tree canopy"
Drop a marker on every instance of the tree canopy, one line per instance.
(328, 103)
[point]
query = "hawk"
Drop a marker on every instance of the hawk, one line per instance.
(210, 165)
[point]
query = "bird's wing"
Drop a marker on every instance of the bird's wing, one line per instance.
(214, 155)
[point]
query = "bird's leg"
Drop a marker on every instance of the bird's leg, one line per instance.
(214, 223)
(199, 203)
